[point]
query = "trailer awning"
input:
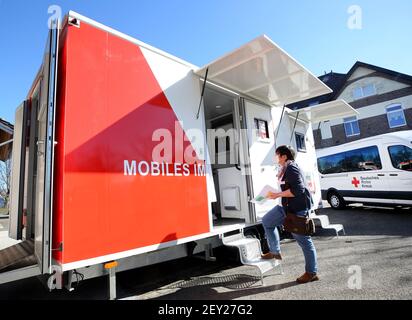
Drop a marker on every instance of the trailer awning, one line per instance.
(262, 70)
(325, 111)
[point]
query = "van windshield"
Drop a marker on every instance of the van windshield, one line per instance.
(401, 157)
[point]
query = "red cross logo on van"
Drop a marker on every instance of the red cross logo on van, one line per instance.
(355, 182)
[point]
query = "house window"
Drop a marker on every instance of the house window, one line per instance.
(351, 126)
(357, 93)
(396, 116)
(300, 142)
(364, 91)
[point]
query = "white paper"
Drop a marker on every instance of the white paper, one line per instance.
(263, 195)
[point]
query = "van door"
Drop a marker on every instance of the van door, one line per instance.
(45, 154)
(261, 150)
(357, 175)
(366, 179)
(399, 172)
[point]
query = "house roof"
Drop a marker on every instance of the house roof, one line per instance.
(6, 124)
(397, 75)
(6, 133)
(333, 80)
(337, 81)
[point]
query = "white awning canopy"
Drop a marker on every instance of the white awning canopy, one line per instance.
(262, 70)
(325, 111)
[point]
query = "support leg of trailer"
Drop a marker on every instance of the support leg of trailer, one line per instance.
(209, 252)
(111, 267)
(69, 281)
(281, 269)
(112, 283)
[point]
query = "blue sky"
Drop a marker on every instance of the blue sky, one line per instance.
(315, 32)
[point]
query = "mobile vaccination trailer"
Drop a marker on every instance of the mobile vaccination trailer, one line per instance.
(110, 161)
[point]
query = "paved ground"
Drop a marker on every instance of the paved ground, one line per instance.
(376, 254)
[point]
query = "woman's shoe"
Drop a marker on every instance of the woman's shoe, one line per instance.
(271, 255)
(307, 277)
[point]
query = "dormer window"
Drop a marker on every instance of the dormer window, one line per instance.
(364, 91)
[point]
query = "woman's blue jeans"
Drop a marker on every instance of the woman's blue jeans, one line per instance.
(275, 218)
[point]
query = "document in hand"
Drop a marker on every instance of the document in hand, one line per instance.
(263, 195)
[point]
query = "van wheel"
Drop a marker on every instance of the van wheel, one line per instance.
(336, 201)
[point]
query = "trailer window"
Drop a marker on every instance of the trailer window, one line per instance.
(401, 157)
(363, 159)
(300, 142)
(262, 128)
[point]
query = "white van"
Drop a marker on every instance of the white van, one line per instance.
(373, 171)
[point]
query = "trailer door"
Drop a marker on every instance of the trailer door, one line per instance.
(45, 154)
(18, 172)
(261, 144)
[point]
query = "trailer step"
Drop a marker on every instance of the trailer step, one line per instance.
(325, 223)
(250, 253)
(18, 256)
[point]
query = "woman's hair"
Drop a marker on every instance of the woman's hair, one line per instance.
(287, 151)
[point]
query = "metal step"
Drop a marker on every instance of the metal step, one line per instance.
(250, 253)
(325, 223)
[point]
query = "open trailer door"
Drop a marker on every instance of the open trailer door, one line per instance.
(326, 111)
(261, 70)
(45, 153)
(336, 109)
(18, 172)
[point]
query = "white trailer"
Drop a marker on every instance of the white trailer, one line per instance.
(88, 195)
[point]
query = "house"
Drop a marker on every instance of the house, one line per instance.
(382, 97)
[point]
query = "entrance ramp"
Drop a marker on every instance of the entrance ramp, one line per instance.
(18, 262)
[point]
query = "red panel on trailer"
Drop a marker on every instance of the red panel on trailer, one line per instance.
(109, 105)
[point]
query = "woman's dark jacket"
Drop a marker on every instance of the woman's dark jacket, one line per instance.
(293, 179)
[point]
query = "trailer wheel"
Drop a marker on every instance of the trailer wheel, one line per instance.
(336, 201)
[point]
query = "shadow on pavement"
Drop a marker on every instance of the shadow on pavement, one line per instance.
(207, 292)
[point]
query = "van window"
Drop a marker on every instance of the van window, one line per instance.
(332, 164)
(401, 157)
(350, 161)
(363, 159)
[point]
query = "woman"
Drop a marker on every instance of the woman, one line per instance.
(295, 199)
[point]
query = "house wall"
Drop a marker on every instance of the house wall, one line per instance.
(368, 127)
(382, 86)
(360, 72)
(372, 116)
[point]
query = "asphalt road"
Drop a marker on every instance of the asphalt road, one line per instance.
(373, 261)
